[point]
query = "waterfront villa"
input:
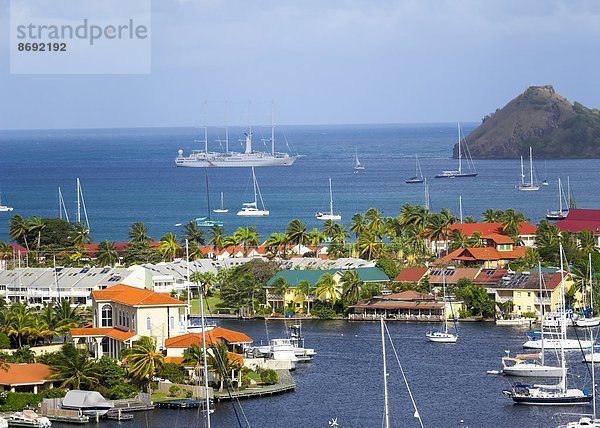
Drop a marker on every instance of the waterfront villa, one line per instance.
(235, 341)
(121, 314)
(33, 377)
(527, 233)
(407, 306)
(497, 251)
(293, 277)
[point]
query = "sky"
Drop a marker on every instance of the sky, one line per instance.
(323, 62)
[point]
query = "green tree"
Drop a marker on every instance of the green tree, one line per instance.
(305, 290)
(193, 233)
(19, 320)
(222, 364)
(169, 247)
(276, 243)
(352, 287)
(107, 254)
(327, 289)
(75, 369)
(247, 236)
(143, 360)
(217, 239)
(18, 230)
(138, 232)
(81, 235)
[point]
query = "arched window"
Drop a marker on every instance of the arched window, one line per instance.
(107, 316)
(133, 322)
(148, 324)
(172, 323)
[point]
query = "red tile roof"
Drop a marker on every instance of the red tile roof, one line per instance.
(580, 219)
(468, 229)
(411, 274)
(498, 238)
(112, 332)
(485, 254)
(24, 374)
(133, 296)
(214, 336)
(408, 295)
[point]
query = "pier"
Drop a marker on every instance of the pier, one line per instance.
(286, 383)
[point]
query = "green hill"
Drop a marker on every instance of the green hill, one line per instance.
(539, 117)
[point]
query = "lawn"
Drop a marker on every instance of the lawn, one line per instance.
(212, 304)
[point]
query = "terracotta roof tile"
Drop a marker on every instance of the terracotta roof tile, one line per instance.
(134, 296)
(411, 274)
(115, 333)
(214, 336)
(498, 238)
(468, 229)
(25, 374)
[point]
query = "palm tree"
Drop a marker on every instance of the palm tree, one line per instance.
(194, 355)
(232, 241)
(18, 230)
(315, 238)
(281, 287)
(48, 315)
(75, 369)
(330, 228)
(547, 240)
(247, 236)
(195, 251)
(277, 244)
(203, 280)
(373, 216)
(436, 227)
(39, 331)
(5, 251)
(143, 360)
(511, 220)
(327, 289)
(222, 364)
(169, 247)
(19, 320)
(358, 224)
(68, 317)
(36, 225)
(492, 216)
(217, 238)
(586, 241)
(305, 290)
(369, 245)
(193, 233)
(458, 240)
(82, 235)
(107, 254)
(296, 231)
(352, 286)
(138, 232)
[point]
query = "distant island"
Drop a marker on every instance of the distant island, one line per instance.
(541, 118)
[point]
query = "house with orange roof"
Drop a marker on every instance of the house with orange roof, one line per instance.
(235, 341)
(527, 233)
(498, 251)
(33, 377)
(121, 314)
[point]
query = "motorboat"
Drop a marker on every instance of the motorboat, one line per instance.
(28, 418)
(90, 403)
(529, 365)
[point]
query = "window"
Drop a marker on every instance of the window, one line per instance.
(106, 316)
(126, 316)
(133, 321)
(148, 323)
(172, 323)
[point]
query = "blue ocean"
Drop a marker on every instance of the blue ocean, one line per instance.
(129, 175)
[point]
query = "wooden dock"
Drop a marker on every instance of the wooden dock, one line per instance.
(285, 384)
(180, 403)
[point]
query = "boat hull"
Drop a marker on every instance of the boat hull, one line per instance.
(516, 321)
(440, 337)
(239, 161)
(457, 175)
(556, 344)
(531, 370)
(552, 401)
(587, 322)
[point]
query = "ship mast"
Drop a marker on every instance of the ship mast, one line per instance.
(330, 198)
(273, 127)
(459, 151)
(530, 167)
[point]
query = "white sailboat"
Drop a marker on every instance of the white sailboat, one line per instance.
(330, 215)
(221, 209)
(587, 319)
(531, 185)
(250, 209)
(553, 394)
(418, 177)
(443, 336)
(357, 165)
(531, 365)
(4, 208)
(460, 173)
(561, 213)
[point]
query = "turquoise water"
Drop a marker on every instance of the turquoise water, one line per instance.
(128, 175)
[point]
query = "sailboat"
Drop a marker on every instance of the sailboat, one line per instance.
(221, 209)
(4, 208)
(418, 177)
(357, 165)
(587, 318)
(460, 173)
(561, 213)
(444, 336)
(553, 394)
(206, 221)
(330, 215)
(531, 365)
(386, 412)
(250, 209)
(531, 186)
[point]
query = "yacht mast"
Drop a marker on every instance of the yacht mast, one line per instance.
(330, 198)
(563, 323)
(78, 202)
(205, 134)
(226, 131)
(560, 196)
(522, 173)
(254, 185)
(273, 127)
(459, 151)
(207, 192)
(205, 369)
(530, 167)
(385, 388)
(460, 208)
(541, 308)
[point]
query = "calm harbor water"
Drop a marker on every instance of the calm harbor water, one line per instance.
(449, 382)
(129, 175)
